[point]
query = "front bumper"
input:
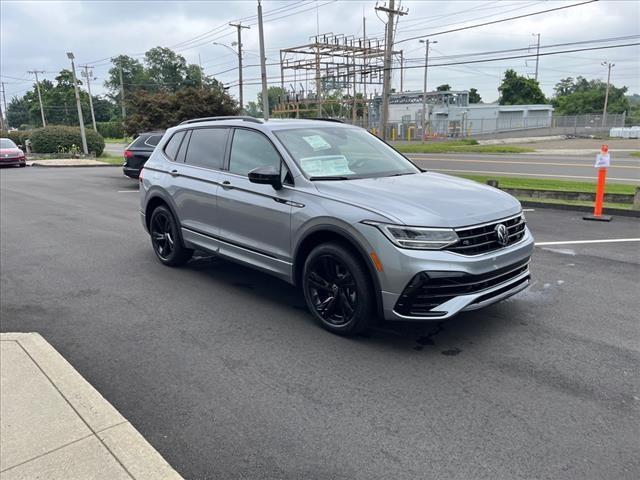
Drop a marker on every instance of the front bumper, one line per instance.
(400, 266)
(13, 162)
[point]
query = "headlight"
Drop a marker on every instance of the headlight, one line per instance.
(417, 238)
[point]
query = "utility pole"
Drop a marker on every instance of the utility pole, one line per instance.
(4, 98)
(386, 85)
(365, 109)
(606, 95)
(87, 74)
(2, 117)
(401, 71)
(239, 26)
(77, 90)
(124, 110)
(201, 72)
(537, 54)
(426, 42)
(263, 66)
(36, 72)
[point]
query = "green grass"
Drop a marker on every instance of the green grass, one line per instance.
(635, 154)
(110, 158)
(556, 185)
(464, 146)
(624, 206)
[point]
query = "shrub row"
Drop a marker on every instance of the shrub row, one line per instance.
(55, 139)
(18, 136)
(109, 129)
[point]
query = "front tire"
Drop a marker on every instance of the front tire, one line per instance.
(337, 289)
(165, 238)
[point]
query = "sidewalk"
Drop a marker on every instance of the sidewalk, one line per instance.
(55, 425)
(70, 162)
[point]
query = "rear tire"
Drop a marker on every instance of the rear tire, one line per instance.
(165, 238)
(338, 290)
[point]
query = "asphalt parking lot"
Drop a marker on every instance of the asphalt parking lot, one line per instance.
(224, 372)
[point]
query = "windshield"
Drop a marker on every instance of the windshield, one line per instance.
(7, 143)
(338, 153)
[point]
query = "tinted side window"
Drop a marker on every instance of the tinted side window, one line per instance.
(250, 150)
(206, 147)
(173, 144)
(153, 140)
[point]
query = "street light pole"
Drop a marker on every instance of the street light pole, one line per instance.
(606, 95)
(263, 66)
(77, 90)
(424, 86)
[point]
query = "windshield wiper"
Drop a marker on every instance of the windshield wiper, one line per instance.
(400, 174)
(330, 177)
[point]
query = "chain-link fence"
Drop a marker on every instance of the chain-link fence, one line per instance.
(503, 126)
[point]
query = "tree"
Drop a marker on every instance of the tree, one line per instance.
(165, 68)
(587, 96)
(18, 112)
(519, 90)
(474, 96)
(443, 88)
(274, 94)
(133, 76)
(163, 109)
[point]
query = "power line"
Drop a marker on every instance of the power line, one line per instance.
(498, 21)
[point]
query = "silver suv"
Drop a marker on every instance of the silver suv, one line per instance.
(362, 230)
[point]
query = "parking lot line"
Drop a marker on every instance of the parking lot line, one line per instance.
(577, 242)
(128, 191)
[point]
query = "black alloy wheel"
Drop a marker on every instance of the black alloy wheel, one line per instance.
(337, 289)
(165, 240)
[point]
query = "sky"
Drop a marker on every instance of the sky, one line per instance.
(34, 35)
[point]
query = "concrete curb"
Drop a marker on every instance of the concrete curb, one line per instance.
(108, 429)
(41, 165)
(581, 208)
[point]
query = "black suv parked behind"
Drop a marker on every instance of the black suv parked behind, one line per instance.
(139, 151)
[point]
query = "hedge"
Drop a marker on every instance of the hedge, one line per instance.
(55, 139)
(109, 129)
(18, 136)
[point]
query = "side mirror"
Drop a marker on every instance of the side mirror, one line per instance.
(266, 175)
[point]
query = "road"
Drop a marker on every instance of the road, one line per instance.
(225, 373)
(624, 168)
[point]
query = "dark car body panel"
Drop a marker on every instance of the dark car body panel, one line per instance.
(138, 152)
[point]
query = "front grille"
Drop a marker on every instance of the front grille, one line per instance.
(483, 238)
(427, 290)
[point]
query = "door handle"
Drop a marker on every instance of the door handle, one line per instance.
(174, 173)
(227, 185)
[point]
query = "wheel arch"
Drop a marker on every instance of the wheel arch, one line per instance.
(155, 200)
(328, 233)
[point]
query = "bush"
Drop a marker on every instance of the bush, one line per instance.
(109, 129)
(53, 139)
(18, 136)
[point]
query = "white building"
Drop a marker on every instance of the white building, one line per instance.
(449, 113)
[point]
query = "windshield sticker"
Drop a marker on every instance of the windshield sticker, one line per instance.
(326, 165)
(317, 142)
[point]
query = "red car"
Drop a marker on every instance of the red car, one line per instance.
(10, 154)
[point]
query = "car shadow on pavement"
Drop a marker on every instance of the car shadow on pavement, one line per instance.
(449, 338)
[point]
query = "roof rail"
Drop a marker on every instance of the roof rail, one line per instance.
(337, 120)
(212, 119)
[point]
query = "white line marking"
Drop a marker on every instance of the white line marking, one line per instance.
(578, 242)
(531, 174)
(528, 209)
(128, 191)
(556, 164)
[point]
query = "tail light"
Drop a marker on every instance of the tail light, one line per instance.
(128, 154)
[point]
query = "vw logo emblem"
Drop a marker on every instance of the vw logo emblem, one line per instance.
(502, 234)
